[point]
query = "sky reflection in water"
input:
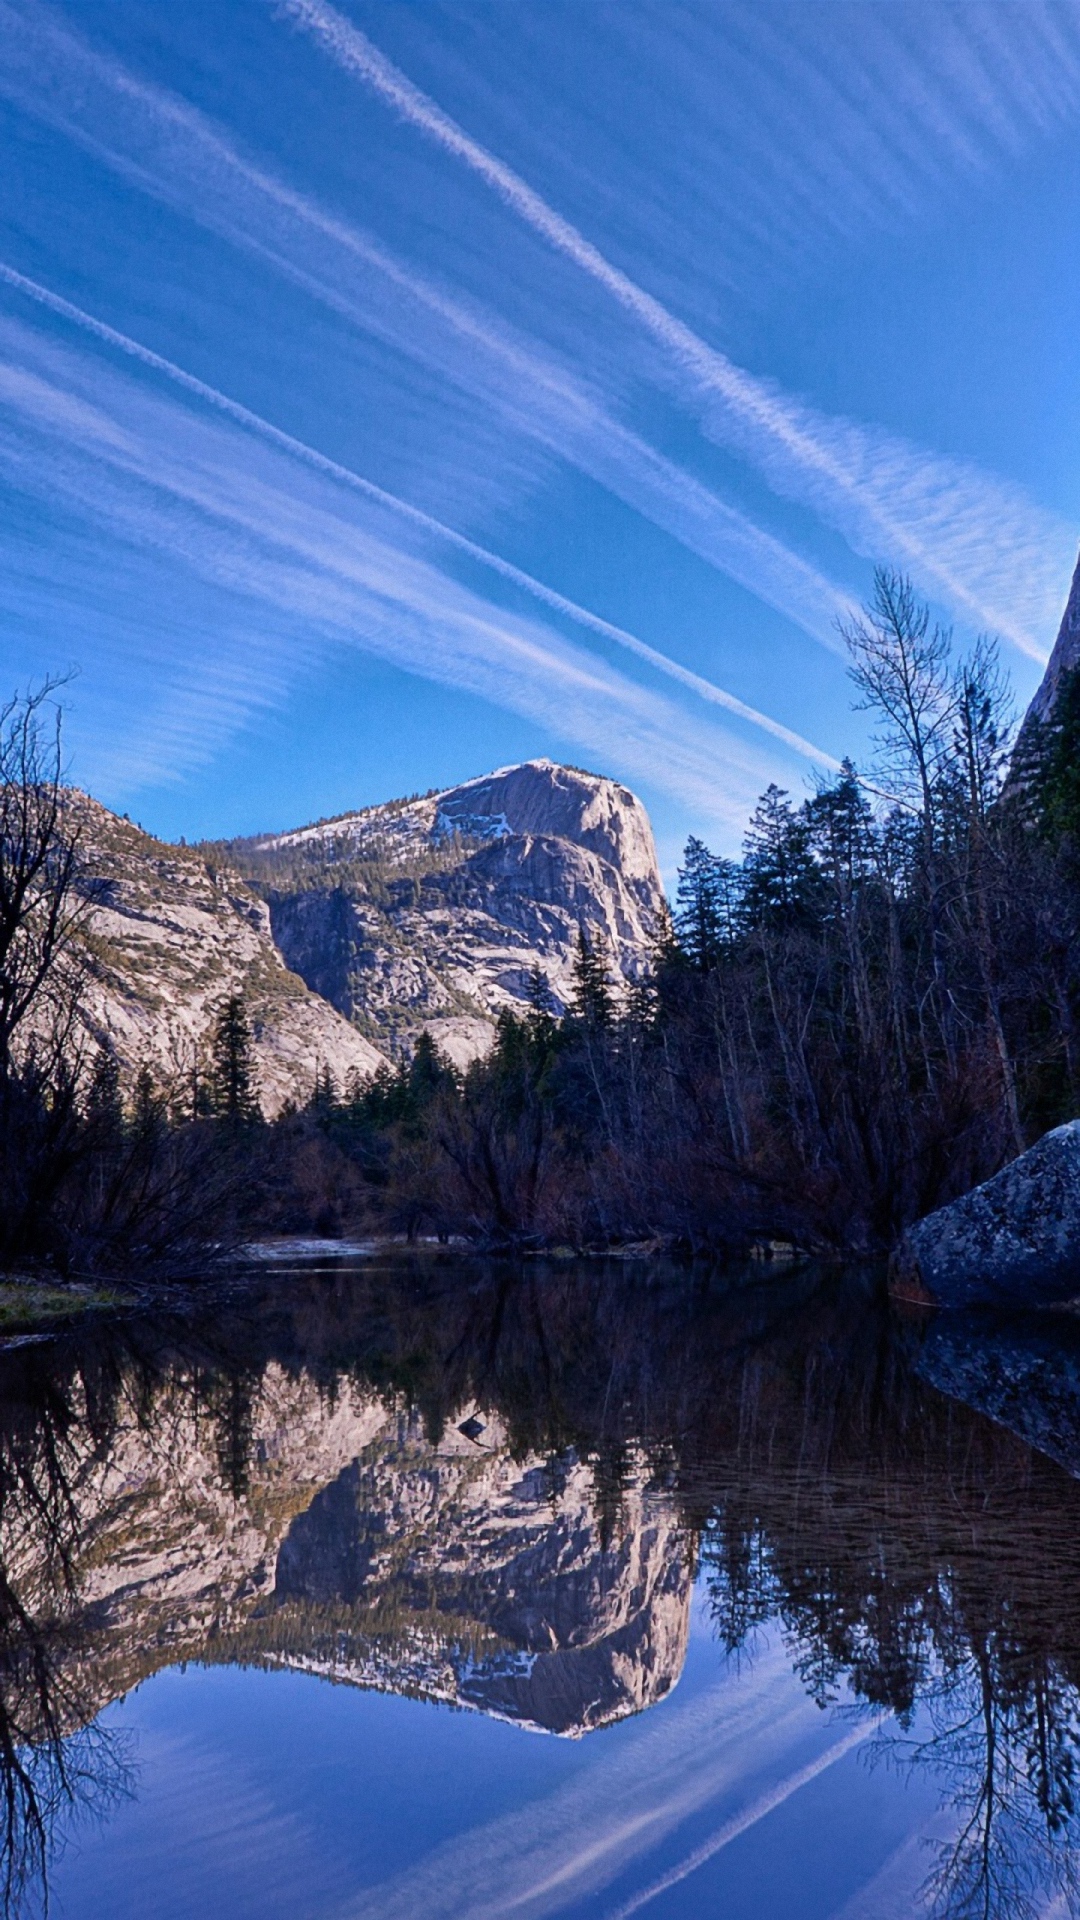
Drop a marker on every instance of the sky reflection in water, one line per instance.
(862, 1703)
(276, 1795)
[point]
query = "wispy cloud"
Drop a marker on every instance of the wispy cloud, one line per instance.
(977, 544)
(169, 149)
(893, 1892)
(793, 136)
(579, 1841)
(378, 496)
(167, 479)
(741, 1822)
(897, 107)
(258, 1851)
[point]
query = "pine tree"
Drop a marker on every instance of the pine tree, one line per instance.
(706, 904)
(541, 1019)
(1049, 763)
(538, 994)
(104, 1107)
(324, 1094)
(840, 834)
(148, 1108)
(781, 879)
(233, 1066)
(592, 988)
(428, 1071)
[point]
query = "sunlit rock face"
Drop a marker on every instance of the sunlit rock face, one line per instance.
(329, 1534)
(1065, 656)
(172, 934)
(432, 912)
(347, 938)
(180, 1522)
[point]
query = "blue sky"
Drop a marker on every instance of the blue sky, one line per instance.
(393, 391)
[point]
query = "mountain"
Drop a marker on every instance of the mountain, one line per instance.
(172, 934)
(432, 912)
(347, 938)
(1065, 656)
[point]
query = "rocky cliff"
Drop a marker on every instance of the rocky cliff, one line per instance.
(432, 912)
(348, 937)
(171, 935)
(1065, 656)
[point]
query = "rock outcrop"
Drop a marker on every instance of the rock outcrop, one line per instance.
(1014, 1241)
(1065, 656)
(495, 1572)
(171, 935)
(432, 912)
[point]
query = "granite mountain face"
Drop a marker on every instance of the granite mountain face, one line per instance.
(170, 936)
(348, 938)
(1064, 658)
(433, 912)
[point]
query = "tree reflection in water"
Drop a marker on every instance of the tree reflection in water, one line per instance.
(912, 1549)
(55, 1762)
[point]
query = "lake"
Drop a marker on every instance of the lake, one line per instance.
(418, 1587)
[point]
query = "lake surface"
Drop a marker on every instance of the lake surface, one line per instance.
(437, 1589)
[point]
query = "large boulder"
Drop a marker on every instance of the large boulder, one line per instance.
(1014, 1241)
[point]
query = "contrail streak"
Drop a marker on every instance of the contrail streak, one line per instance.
(741, 1822)
(322, 463)
(785, 430)
(161, 145)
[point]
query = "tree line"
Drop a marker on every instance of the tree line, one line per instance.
(870, 1011)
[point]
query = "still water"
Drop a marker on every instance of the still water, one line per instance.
(423, 1589)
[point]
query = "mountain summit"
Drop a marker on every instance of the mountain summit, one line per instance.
(432, 912)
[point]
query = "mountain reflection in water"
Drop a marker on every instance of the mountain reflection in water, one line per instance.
(495, 1484)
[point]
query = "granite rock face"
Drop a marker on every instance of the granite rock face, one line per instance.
(1014, 1241)
(348, 938)
(532, 1614)
(1065, 656)
(432, 912)
(170, 937)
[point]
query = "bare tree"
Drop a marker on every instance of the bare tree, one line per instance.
(900, 665)
(41, 903)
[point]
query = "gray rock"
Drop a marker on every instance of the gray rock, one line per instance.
(361, 1550)
(1014, 1241)
(349, 937)
(431, 913)
(172, 934)
(1065, 656)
